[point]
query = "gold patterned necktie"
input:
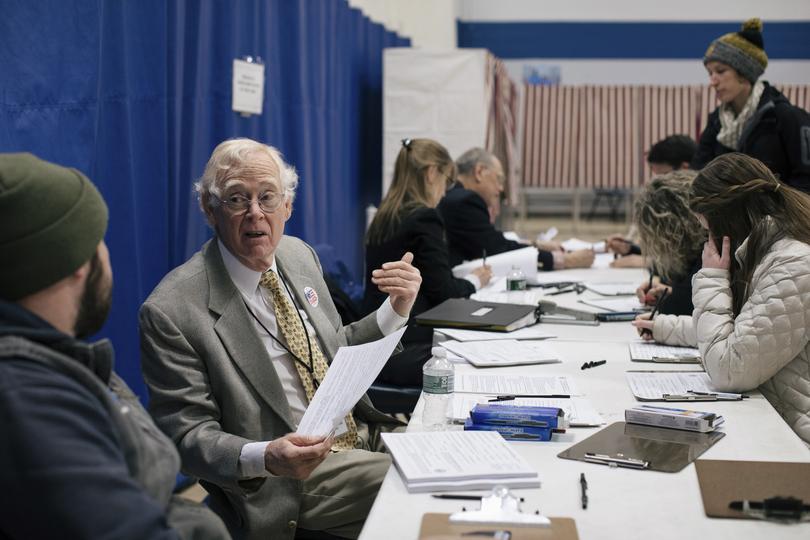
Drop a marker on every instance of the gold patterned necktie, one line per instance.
(294, 333)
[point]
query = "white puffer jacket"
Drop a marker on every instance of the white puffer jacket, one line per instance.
(768, 344)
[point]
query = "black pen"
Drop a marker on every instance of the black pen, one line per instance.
(511, 397)
(561, 291)
(647, 331)
(584, 485)
(484, 257)
(454, 497)
(597, 363)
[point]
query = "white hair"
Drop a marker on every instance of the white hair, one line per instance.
(466, 162)
(233, 157)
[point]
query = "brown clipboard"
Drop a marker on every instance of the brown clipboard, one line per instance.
(724, 481)
(438, 527)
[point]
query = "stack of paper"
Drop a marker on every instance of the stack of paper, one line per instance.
(505, 352)
(612, 288)
(529, 332)
(453, 460)
(652, 352)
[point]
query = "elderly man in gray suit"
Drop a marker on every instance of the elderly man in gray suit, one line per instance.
(234, 343)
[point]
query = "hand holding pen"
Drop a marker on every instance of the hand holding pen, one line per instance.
(645, 322)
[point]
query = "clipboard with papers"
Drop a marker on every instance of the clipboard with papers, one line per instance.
(676, 386)
(663, 354)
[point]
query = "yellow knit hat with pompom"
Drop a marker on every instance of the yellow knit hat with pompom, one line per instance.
(744, 51)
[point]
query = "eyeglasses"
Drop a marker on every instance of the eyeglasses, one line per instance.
(449, 181)
(238, 204)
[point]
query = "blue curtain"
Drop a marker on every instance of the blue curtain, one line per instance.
(137, 93)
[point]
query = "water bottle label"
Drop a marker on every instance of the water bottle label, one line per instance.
(437, 384)
(515, 284)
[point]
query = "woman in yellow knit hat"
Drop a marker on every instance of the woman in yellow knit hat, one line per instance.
(753, 117)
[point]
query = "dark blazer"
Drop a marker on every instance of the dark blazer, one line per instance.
(422, 233)
(679, 301)
(213, 388)
(778, 135)
(469, 231)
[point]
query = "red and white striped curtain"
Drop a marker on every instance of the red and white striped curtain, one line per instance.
(597, 136)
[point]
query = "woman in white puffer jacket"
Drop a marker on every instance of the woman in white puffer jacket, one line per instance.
(752, 296)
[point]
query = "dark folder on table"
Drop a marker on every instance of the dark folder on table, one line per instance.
(722, 482)
(643, 447)
(438, 527)
(475, 315)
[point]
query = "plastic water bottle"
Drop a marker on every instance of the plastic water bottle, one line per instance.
(516, 280)
(437, 389)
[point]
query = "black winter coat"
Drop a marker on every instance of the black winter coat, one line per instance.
(778, 134)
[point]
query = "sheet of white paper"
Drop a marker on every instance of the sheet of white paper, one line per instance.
(653, 385)
(496, 292)
(505, 352)
(455, 455)
(495, 384)
(648, 351)
(575, 244)
(580, 412)
(613, 288)
(248, 87)
(548, 235)
(621, 304)
(349, 376)
(512, 235)
(528, 332)
(502, 263)
(602, 260)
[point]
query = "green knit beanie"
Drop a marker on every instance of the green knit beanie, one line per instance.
(53, 219)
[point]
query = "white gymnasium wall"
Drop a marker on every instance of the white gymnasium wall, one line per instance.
(629, 71)
(430, 24)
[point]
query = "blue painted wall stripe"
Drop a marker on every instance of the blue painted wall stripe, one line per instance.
(625, 40)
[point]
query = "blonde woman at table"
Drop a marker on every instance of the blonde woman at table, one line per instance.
(408, 221)
(752, 296)
(672, 240)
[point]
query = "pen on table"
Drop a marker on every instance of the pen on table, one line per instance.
(727, 395)
(561, 291)
(584, 485)
(484, 257)
(591, 364)
(455, 497)
(511, 397)
(647, 331)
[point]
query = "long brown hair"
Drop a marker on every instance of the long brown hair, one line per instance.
(741, 198)
(409, 189)
(662, 214)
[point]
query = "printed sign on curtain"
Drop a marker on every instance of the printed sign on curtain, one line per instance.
(248, 86)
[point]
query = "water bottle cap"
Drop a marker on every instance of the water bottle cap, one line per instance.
(441, 352)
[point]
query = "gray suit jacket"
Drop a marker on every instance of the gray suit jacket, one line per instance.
(213, 387)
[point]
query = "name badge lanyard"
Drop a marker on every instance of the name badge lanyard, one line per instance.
(310, 367)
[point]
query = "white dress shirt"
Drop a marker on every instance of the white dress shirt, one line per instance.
(260, 302)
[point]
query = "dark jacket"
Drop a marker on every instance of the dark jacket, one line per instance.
(679, 301)
(422, 233)
(778, 134)
(79, 456)
(469, 231)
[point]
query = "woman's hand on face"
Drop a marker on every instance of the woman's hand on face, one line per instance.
(713, 259)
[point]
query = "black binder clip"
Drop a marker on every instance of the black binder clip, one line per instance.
(787, 509)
